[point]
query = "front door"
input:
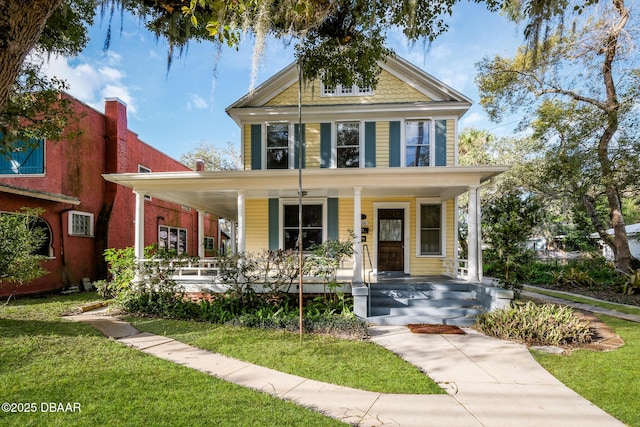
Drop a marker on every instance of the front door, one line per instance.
(390, 240)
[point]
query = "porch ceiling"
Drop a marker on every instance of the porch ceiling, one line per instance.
(216, 192)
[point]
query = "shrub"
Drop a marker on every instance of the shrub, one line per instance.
(531, 323)
(20, 239)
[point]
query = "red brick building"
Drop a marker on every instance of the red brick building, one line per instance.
(84, 214)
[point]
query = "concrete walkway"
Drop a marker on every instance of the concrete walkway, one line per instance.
(531, 291)
(489, 382)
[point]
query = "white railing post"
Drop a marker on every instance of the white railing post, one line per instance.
(357, 229)
(241, 224)
(200, 234)
(472, 236)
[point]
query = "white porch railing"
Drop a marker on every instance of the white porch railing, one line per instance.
(205, 267)
(456, 268)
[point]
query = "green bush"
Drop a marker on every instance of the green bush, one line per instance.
(592, 273)
(20, 239)
(535, 324)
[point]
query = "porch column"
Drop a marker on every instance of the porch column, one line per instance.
(200, 234)
(473, 235)
(357, 229)
(241, 224)
(479, 226)
(138, 242)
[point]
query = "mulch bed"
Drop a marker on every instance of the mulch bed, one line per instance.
(421, 328)
(604, 338)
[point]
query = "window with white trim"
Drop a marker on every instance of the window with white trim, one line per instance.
(277, 146)
(348, 144)
(340, 90)
(172, 239)
(431, 229)
(80, 224)
(313, 225)
(417, 137)
(209, 244)
(144, 169)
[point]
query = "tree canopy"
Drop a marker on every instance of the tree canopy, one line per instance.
(338, 40)
(215, 158)
(30, 105)
(577, 86)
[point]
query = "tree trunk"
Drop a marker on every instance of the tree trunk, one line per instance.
(21, 24)
(620, 244)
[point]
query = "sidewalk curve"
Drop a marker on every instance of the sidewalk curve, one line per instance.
(489, 382)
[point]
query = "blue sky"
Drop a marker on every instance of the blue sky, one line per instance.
(178, 110)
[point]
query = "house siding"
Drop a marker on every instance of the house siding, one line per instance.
(312, 145)
(246, 146)
(260, 231)
(382, 144)
(257, 223)
(390, 89)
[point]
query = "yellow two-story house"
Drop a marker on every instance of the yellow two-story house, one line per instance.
(381, 163)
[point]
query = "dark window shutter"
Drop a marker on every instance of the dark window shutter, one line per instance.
(370, 144)
(256, 147)
(441, 143)
(274, 224)
(298, 146)
(325, 145)
(394, 144)
(332, 219)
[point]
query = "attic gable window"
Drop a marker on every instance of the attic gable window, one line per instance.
(341, 90)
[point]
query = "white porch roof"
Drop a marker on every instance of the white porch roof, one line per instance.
(217, 192)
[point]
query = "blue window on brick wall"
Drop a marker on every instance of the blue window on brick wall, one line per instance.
(25, 158)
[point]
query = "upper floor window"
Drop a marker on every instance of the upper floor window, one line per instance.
(341, 90)
(80, 224)
(418, 143)
(348, 144)
(277, 146)
(24, 159)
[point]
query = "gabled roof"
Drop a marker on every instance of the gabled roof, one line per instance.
(410, 74)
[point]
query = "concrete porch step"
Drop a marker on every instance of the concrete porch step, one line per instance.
(402, 320)
(422, 295)
(447, 302)
(441, 312)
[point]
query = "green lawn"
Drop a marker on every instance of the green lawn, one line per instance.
(343, 362)
(47, 359)
(602, 304)
(610, 380)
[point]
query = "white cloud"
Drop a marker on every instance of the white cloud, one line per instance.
(472, 120)
(196, 102)
(93, 80)
(122, 93)
(113, 58)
